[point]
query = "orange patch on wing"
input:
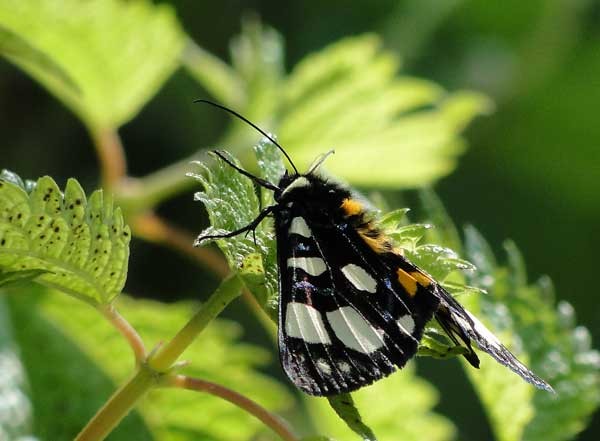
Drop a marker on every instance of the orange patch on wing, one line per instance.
(378, 244)
(421, 278)
(398, 251)
(351, 207)
(408, 282)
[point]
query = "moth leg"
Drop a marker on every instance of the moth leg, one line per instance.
(255, 179)
(250, 227)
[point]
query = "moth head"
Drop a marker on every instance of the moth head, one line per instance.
(298, 185)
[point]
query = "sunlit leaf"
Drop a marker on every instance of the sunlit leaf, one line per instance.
(63, 379)
(345, 408)
(348, 97)
(546, 338)
(398, 407)
(220, 79)
(231, 202)
(81, 246)
(90, 354)
(102, 58)
(7, 277)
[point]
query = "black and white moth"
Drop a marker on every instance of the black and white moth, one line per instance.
(352, 308)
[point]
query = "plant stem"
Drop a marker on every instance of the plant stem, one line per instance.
(118, 406)
(156, 366)
(269, 419)
(126, 330)
(153, 228)
(113, 163)
(138, 194)
(229, 289)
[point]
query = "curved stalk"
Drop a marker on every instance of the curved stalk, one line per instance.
(271, 420)
(126, 330)
(158, 364)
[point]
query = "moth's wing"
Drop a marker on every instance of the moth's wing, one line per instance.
(458, 322)
(346, 320)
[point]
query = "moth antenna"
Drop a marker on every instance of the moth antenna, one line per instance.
(251, 124)
(319, 161)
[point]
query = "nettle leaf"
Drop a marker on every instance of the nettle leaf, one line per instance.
(257, 55)
(102, 58)
(101, 354)
(349, 97)
(398, 407)
(14, 46)
(15, 404)
(78, 246)
(232, 203)
(272, 168)
(542, 335)
(345, 408)
(7, 277)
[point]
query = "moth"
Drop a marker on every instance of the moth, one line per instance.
(352, 308)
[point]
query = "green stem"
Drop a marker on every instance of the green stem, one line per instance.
(164, 358)
(118, 406)
(139, 194)
(157, 365)
(135, 195)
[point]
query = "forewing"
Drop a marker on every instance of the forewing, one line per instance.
(457, 321)
(346, 319)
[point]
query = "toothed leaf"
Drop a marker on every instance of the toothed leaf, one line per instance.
(349, 96)
(544, 336)
(78, 246)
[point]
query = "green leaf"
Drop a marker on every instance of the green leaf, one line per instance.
(81, 246)
(64, 380)
(348, 96)
(398, 407)
(7, 277)
(445, 231)
(251, 86)
(102, 58)
(343, 405)
(90, 354)
(231, 201)
(217, 77)
(394, 218)
(15, 47)
(543, 336)
(16, 415)
(317, 438)
(257, 56)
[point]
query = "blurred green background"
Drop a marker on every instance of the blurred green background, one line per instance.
(531, 172)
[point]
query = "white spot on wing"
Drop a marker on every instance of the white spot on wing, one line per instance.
(296, 183)
(311, 265)
(344, 367)
(360, 278)
(300, 227)
(354, 331)
(324, 366)
(406, 324)
(305, 322)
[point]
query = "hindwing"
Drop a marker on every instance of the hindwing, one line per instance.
(461, 325)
